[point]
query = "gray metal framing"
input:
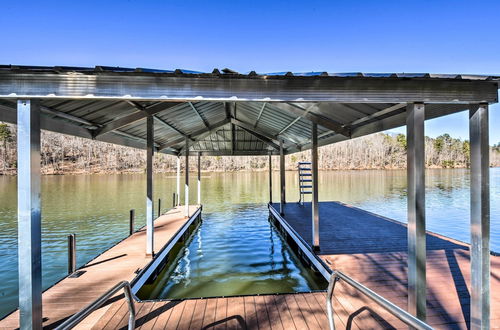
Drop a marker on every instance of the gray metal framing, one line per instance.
(149, 187)
(315, 183)
(266, 89)
(417, 287)
(199, 178)
(186, 185)
(178, 181)
(270, 177)
(282, 179)
(480, 217)
(29, 214)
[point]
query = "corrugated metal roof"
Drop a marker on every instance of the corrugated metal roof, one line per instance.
(209, 125)
(217, 72)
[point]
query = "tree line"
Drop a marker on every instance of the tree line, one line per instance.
(63, 154)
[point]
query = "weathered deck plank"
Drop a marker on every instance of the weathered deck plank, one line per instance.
(114, 265)
(373, 250)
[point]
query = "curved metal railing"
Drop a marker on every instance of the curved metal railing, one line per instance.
(384, 303)
(74, 320)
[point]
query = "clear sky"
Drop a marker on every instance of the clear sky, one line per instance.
(334, 36)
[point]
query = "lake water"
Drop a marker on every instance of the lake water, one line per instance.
(96, 208)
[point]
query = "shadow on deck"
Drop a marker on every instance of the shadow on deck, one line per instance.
(373, 250)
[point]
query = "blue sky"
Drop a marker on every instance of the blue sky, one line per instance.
(335, 36)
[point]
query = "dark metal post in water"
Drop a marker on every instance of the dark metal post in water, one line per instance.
(131, 221)
(29, 214)
(173, 199)
(71, 253)
(480, 217)
(417, 287)
(314, 172)
(270, 178)
(282, 179)
(159, 207)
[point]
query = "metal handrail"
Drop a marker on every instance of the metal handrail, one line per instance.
(74, 320)
(400, 313)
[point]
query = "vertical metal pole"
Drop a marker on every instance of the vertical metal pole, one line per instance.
(29, 214)
(149, 188)
(314, 201)
(199, 178)
(480, 217)
(270, 177)
(174, 199)
(282, 179)
(71, 254)
(159, 207)
(131, 222)
(417, 287)
(186, 186)
(178, 180)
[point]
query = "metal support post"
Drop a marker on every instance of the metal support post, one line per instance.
(315, 181)
(159, 207)
(29, 214)
(71, 254)
(131, 221)
(270, 178)
(282, 179)
(417, 287)
(199, 178)
(480, 217)
(178, 182)
(149, 188)
(186, 186)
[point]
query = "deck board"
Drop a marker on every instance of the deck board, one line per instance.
(373, 250)
(114, 265)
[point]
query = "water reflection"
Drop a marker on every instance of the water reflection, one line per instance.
(96, 207)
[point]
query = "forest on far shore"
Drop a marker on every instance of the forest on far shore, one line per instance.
(63, 154)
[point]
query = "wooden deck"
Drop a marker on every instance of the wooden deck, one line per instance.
(373, 250)
(116, 264)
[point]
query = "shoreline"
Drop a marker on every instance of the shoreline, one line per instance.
(141, 171)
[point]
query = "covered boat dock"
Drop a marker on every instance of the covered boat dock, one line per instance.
(185, 113)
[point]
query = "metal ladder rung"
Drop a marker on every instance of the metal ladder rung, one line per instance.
(306, 180)
(305, 174)
(304, 163)
(302, 187)
(307, 192)
(304, 169)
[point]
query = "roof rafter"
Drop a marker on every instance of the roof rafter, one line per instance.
(274, 138)
(314, 117)
(198, 135)
(133, 117)
(260, 114)
(199, 115)
(178, 131)
(379, 113)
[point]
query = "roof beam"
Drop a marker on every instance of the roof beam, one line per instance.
(260, 114)
(133, 117)
(198, 135)
(294, 121)
(199, 115)
(379, 113)
(164, 123)
(262, 138)
(274, 138)
(314, 117)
